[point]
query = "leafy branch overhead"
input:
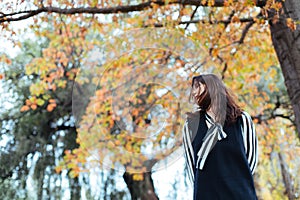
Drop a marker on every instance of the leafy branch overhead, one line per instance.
(103, 7)
(100, 90)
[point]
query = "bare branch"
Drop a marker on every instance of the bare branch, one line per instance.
(242, 20)
(192, 16)
(224, 70)
(245, 31)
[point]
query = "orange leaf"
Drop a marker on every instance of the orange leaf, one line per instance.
(117, 142)
(110, 144)
(52, 101)
(128, 147)
(28, 102)
(135, 112)
(215, 52)
(289, 22)
(50, 107)
(58, 169)
(24, 108)
(33, 106)
(235, 19)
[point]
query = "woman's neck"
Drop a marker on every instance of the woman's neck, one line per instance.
(211, 114)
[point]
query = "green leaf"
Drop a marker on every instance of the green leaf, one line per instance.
(40, 102)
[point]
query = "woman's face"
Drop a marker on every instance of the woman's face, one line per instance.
(198, 88)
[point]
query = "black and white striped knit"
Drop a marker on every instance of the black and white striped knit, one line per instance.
(250, 141)
(215, 133)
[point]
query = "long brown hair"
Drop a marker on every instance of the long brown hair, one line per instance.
(215, 97)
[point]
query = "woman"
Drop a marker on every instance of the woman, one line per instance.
(220, 143)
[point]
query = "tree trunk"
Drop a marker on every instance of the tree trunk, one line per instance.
(75, 188)
(289, 189)
(287, 46)
(140, 190)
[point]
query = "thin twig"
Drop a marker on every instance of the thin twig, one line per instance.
(192, 16)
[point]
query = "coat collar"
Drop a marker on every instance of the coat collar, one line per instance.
(192, 120)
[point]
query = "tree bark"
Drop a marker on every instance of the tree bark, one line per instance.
(140, 190)
(287, 46)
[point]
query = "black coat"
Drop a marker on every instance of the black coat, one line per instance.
(228, 169)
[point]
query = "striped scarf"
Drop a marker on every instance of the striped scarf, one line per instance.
(213, 134)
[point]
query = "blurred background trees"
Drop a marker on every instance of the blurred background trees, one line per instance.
(59, 127)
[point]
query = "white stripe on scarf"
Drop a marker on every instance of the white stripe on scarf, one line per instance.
(214, 133)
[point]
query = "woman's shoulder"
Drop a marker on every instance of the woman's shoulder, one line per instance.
(245, 118)
(194, 114)
(246, 115)
(239, 118)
